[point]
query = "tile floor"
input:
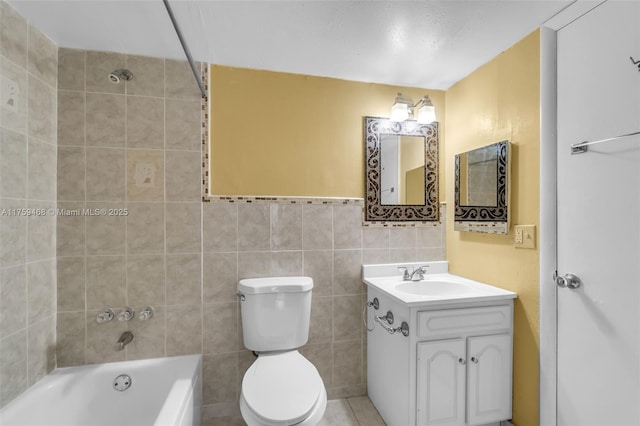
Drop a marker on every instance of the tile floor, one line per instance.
(354, 411)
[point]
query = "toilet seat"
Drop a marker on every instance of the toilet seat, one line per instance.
(282, 388)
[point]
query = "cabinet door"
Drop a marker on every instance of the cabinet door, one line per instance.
(440, 387)
(489, 378)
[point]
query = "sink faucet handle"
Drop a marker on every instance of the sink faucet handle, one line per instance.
(406, 275)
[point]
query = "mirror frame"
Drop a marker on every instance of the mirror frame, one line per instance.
(375, 211)
(486, 219)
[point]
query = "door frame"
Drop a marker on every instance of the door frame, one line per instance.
(548, 311)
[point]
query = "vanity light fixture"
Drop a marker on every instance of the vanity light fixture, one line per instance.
(403, 109)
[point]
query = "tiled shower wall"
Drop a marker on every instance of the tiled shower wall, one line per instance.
(28, 75)
(182, 256)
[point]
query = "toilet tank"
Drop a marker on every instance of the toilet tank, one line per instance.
(275, 312)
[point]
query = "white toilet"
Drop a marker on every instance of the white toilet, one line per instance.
(281, 387)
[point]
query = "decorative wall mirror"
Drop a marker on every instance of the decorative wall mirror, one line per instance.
(401, 167)
(482, 189)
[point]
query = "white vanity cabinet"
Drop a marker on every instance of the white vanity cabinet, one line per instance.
(453, 368)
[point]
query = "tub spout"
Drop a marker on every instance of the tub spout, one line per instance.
(124, 340)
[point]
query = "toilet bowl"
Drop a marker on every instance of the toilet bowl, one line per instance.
(281, 387)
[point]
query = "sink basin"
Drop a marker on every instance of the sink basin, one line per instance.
(434, 288)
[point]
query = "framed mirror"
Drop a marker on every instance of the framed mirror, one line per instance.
(401, 171)
(482, 189)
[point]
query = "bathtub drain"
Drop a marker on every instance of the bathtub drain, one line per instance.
(122, 382)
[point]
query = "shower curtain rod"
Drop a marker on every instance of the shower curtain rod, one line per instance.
(196, 74)
(579, 148)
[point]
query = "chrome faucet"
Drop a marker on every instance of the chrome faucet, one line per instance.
(124, 340)
(416, 274)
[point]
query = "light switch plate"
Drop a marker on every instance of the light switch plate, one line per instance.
(525, 236)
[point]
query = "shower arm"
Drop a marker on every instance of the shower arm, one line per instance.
(196, 74)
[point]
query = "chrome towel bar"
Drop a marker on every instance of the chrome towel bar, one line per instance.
(582, 147)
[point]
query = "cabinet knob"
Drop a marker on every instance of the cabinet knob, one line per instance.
(462, 361)
(474, 360)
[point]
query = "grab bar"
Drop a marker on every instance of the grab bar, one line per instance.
(579, 148)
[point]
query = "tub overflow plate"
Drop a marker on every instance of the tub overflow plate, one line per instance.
(122, 382)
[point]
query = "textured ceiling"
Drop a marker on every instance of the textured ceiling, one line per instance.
(428, 44)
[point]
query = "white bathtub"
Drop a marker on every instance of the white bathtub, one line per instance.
(163, 391)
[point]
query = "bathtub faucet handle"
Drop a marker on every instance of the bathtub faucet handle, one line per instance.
(126, 314)
(104, 316)
(125, 338)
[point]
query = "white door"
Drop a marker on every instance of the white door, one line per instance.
(598, 360)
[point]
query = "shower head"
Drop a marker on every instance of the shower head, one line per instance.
(121, 74)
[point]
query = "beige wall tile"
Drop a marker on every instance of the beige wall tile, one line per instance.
(253, 227)
(219, 374)
(106, 282)
(347, 324)
(70, 230)
(42, 57)
(321, 356)
(145, 122)
(71, 63)
(223, 318)
(403, 255)
(13, 115)
(71, 283)
(347, 363)
(71, 182)
(183, 279)
(42, 171)
(430, 236)
(347, 227)
(254, 264)
(99, 66)
(13, 164)
(347, 278)
(319, 266)
(148, 335)
(402, 238)
(13, 299)
(286, 227)
(373, 256)
(70, 338)
(183, 124)
(105, 120)
(71, 120)
(184, 176)
(321, 327)
(220, 227)
(42, 101)
(375, 237)
(105, 174)
(105, 233)
(145, 280)
(180, 82)
(41, 347)
(145, 175)
(13, 35)
(184, 330)
(145, 228)
(317, 227)
(13, 364)
(286, 263)
(184, 227)
(41, 290)
(148, 76)
(431, 254)
(13, 233)
(220, 276)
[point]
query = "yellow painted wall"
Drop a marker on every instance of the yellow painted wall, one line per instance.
(295, 135)
(497, 101)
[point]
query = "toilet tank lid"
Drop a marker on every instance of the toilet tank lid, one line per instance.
(275, 285)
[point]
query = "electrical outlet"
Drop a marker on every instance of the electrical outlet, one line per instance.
(525, 236)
